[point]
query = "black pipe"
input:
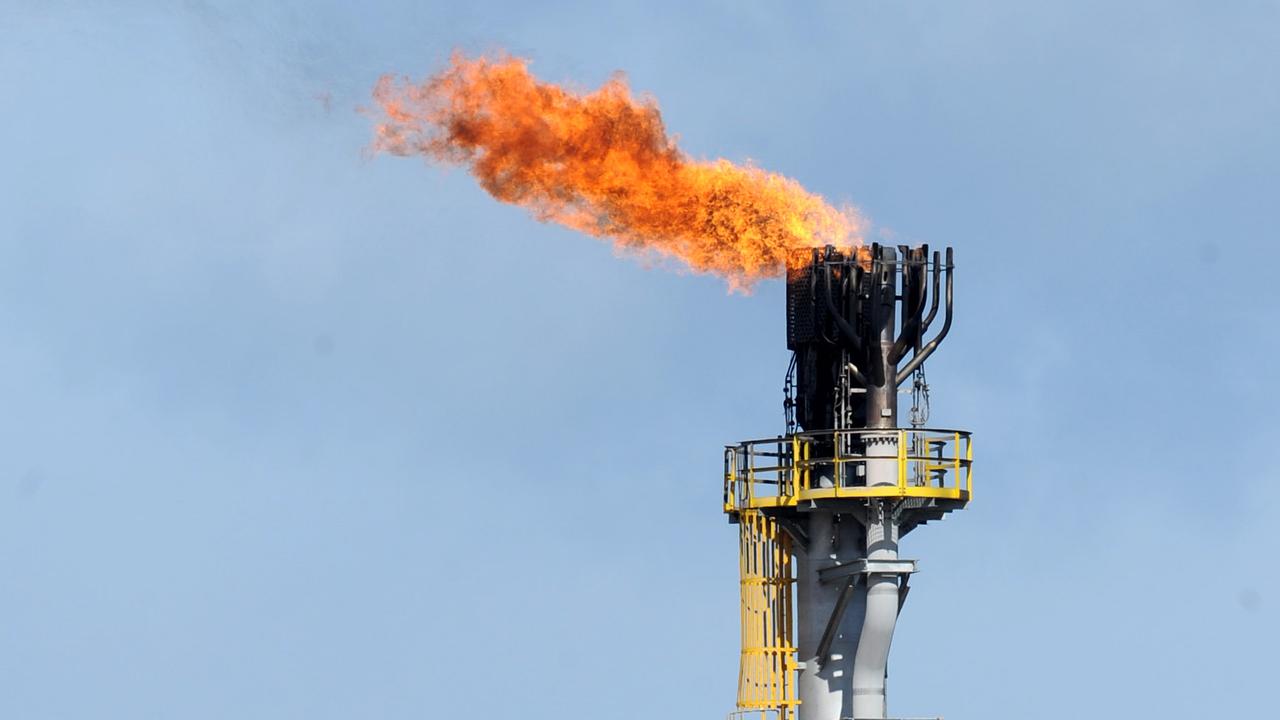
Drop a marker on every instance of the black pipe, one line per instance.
(933, 305)
(932, 345)
(912, 305)
(875, 353)
(845, 328)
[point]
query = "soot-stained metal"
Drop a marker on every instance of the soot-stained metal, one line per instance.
(822, 508)
(841, 309)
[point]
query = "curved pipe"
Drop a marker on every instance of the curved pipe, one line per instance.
(913, 307)
(871, 661)
(813, 297)
(856, 373)
(937, 285)
(932, 345)
(845, 328)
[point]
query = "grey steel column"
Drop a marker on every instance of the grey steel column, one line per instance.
(824, 681)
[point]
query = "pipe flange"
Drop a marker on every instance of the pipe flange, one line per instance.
(888, 438)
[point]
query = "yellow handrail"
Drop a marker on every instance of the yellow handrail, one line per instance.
(957, 449)
(968, 471)
(944, 459)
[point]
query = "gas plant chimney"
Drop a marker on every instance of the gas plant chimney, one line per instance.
(822, 508)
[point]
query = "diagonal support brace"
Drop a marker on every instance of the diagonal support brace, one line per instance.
(837, 613)
(851, 573)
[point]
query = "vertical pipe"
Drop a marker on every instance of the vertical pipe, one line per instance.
(881, 599)
(881, 617)
(882, 397)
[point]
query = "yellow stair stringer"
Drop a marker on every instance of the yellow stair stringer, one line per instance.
(767, 672)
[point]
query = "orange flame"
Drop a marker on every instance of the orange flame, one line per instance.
(602, 163)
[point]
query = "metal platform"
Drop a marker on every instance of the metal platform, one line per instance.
(813, 467)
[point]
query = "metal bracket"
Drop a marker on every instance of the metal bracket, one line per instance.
(863, 566)
(846, 718)
(852, 573)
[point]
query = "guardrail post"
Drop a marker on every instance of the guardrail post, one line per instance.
(957, 452)
(968, 470)
(805, 478)
(902, 460)
(792, 474)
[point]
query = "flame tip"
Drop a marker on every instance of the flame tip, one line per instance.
(603, 163)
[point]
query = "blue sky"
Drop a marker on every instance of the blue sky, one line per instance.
(289, 431)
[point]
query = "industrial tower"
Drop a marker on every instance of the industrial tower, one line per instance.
(821, 509)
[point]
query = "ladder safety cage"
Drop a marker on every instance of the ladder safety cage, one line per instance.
(767, 669)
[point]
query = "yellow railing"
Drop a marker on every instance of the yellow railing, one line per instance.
(865, 463)
(767, 671)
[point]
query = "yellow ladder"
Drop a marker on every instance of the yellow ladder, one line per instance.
(767, 672)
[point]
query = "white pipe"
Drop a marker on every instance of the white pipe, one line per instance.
(882, 459)
(880, 618)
